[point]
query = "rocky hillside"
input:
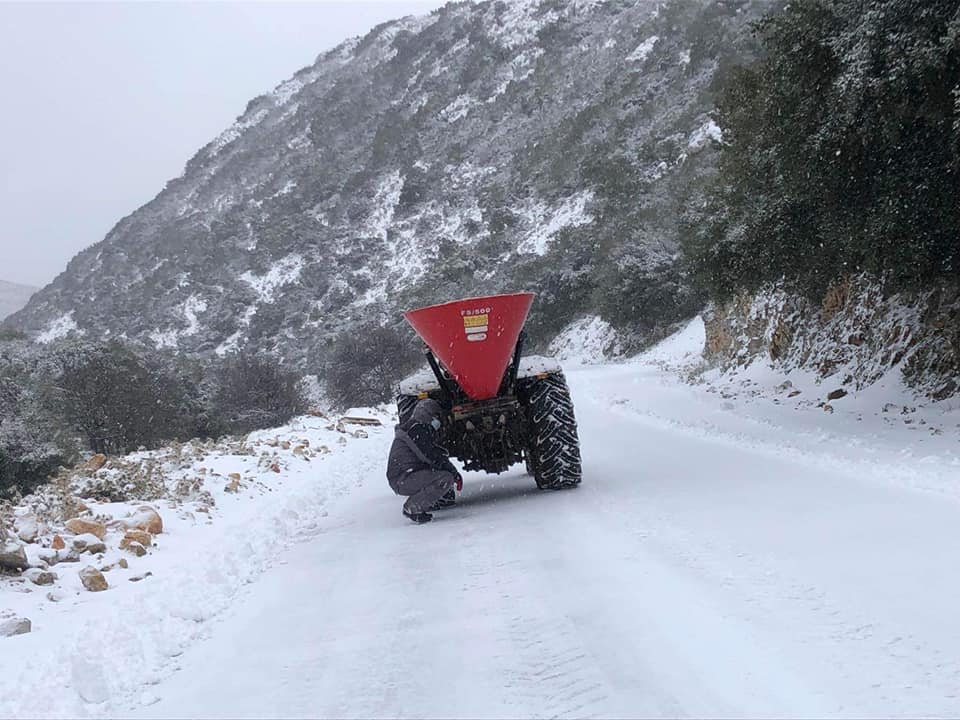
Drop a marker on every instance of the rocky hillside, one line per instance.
(860, 333)
(13, 297)
(549, 145)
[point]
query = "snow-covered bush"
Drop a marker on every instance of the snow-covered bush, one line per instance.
(249, 392)
(365, 366)
(27, 458)
(119, 399)
(116, 397)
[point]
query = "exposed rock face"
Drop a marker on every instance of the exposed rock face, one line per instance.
(549, 145)
(856, 333)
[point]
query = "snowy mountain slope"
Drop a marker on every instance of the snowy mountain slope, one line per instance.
(723, 557)
(540, 144)
(13, 297)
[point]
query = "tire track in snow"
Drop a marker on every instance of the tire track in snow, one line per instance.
(542, 666)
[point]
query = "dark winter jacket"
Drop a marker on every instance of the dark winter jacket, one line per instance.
(416, 444)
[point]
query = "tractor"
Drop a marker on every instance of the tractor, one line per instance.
(502, 408)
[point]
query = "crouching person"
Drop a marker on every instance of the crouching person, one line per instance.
(419, 467)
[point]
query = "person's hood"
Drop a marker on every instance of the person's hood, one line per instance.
(426, 410)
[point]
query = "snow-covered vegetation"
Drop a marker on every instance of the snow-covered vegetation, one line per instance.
(839, 153)
(828, 239)
(62, 399)
(860, 335)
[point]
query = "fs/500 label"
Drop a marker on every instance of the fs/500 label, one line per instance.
(476, 323)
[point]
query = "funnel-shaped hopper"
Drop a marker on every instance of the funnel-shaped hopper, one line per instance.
(474, 338)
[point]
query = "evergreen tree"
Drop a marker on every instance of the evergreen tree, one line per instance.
(840, 150)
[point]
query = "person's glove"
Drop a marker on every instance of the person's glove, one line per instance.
(458, 480)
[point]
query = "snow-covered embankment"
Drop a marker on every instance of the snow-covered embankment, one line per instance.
(229, 510)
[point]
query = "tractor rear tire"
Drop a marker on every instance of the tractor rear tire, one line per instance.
(553, 447)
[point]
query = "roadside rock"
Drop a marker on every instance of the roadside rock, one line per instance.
(12, 556)
(96, 462)
(133, 547)
(57, 543)
(52, 557)
(140, 536)
(945, 391)
(147, 519)
(136, 542)
(88, 542)
(93, 580)
(80, 526)
(41, 577)
(836, 394)
(27, 528)
(14, 626)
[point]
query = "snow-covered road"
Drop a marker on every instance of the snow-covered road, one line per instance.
(718, 560)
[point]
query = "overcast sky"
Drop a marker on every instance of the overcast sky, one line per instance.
(105, 102)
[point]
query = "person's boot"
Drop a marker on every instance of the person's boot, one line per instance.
(418, 518)
(447, 501)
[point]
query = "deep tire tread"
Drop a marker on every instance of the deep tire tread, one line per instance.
(554, 448)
